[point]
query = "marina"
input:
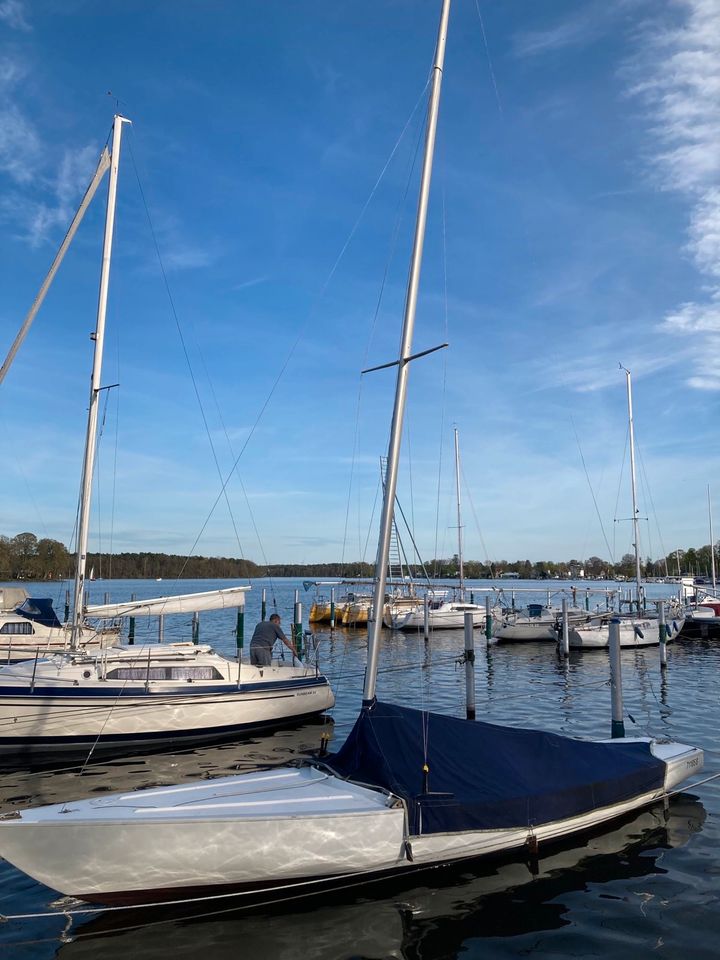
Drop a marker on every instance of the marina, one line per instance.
(637, 879)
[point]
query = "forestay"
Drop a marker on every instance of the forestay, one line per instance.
(482, 776)
(230, 597)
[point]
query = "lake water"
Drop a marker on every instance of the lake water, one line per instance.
(649, 886)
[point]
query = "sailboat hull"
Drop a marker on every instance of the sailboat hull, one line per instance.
(282, 833)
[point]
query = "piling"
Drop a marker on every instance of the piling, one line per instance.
(662, 631)
(240, 631)
(426, 617)
(469, 666)
(131, 624)
(106, 597)
(488, 620)
(196, 627)
(161, 628)
(617, 728)
(298, 625)
(565, 634)
(332, 608)
(67, 606)
(263, 605)
(587, 599)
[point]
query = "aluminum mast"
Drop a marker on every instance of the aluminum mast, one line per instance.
(91, 436)
(403, 365)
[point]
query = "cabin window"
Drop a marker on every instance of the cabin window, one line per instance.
(164, 673)
(17, 628)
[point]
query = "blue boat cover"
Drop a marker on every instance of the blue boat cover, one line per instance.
(482, 776)
(40, 610)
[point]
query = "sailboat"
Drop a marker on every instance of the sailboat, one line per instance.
(408, 790)
(639, 629)
(443, 613)
(148, 694)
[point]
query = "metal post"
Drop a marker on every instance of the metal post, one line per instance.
(617, 728)
(67, 607)
(587, 599)
(298, 626)
(263, 605)
(426, 617)
(565, 637)
(332, 608)
(488, 620)
(196, 627)
(469, 666)
(106, 597)
(161, 628)
(662, 630)
(512, 600)
(131, 625)
(240, 630)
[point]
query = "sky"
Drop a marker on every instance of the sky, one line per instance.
(265, 210)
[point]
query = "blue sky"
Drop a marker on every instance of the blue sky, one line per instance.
(574, 223)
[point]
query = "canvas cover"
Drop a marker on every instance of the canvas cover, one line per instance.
(483, 776)
(39, 609)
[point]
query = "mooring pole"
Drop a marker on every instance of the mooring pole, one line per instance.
(587, 599)
(469, 666)
(565, 636)
(240, 631)
(196, 627)
(332, 608)
(617, 728)
(263, 605)
(426, 617)
(131, 624)
(662, 630)
(161, 628)
(298, 625)
(488, 620)
(67, 606)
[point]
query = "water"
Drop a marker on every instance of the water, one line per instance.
(646, 887)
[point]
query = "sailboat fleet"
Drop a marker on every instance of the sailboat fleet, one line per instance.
(409, 788)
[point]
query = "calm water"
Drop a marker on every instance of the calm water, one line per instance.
(648, 887)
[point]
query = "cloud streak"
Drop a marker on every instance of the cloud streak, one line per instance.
(681, 86)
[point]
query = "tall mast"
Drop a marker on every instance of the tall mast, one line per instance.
(636, 538)
(403, 368)
(712, 542)
(459, 520)
(92, 421)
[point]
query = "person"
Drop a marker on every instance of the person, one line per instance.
(263, 641)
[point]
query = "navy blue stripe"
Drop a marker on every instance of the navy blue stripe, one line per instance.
(138, 689)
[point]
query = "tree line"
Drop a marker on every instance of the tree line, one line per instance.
(27, 557)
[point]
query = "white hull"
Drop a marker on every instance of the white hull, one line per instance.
(280, 830)
(598, 637)
(61, 708)
(448, 616)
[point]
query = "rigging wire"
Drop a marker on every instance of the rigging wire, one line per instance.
(485, 550)
(187, 360)
(446, 339)
(489, 59)
(652, 502)
(592, 492)
(617, 499)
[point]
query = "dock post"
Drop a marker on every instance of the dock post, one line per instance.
(488, 620)
(565, 636)
(67, 606)
(662, 630)
(587, 599)
(106, 597)
(161, 628)
(512, 600)
(240, 631)
(617, 728)
(131, 624)
(298, 626)
(469, 666)
(426, 617)
(547, 599)
(196, 627)
(332, 608)
(263, 605)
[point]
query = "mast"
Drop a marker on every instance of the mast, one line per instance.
(91, 434)
(712, 542)
(459, 520)
(403, 366)
(636, 538)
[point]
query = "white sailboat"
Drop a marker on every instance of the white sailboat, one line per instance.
(150, 694)
(443, 613)
(639, 629)
(409, 789)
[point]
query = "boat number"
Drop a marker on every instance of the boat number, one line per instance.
(690, 764)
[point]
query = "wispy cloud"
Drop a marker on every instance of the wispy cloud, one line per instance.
(12, 12)
(585, 26)
(680, 82)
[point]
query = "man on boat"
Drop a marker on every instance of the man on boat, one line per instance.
(263, 641)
